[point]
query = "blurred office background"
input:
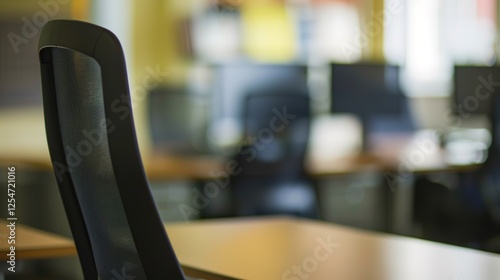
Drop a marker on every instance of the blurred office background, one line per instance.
(376, 73)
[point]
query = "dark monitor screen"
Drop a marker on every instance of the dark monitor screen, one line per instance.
(177, 120)
(373, 94)
(473, 88)
(233, 82)
(366, 90)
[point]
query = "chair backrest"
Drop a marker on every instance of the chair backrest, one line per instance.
(276, 126)
(494, 150)
(489, 178)
(90, 132)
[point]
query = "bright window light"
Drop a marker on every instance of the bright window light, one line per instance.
(336, 33)
(428, 67)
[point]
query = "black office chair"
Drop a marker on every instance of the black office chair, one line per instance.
(90, 132)
(272, 178)
(489, 177)
(468, 213)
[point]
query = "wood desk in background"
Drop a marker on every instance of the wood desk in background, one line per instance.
(163, 167)
(386, 156)
(394, 155)
(202, 168)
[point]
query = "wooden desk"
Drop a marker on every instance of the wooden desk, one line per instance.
(387, 156)
(200, 168)
(32, 243)
(269, 248)
(176, 167)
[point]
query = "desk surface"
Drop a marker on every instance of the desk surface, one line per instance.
(286, 248)
(399, 155)
(34, 244)
(389, 154)
(201, 168)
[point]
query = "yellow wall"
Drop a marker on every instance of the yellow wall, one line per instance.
(156, 49)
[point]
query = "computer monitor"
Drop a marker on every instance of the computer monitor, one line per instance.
(373, 94)
(366, 89)
(232, 83)
(472, 94)
(177, 120)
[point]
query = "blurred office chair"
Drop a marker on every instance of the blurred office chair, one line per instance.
(489, 176)
(468, 213)
(91, 137)
(272, 178)
(373, 94)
